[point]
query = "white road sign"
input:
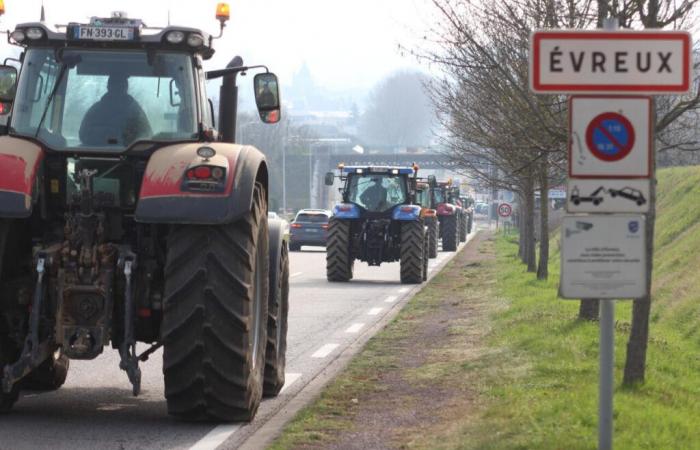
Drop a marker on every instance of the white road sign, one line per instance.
(649, 61)
(603, 257)
(609, 137)
(608, 196)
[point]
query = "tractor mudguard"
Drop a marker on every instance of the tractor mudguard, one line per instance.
(406, 212)
(164, 197)
(346, 211)
(20, 160)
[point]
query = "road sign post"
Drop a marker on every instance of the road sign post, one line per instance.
(611, 163)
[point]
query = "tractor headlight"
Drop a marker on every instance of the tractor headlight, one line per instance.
(34, 33)
(18, 36)
(175, 37)
(195, 40)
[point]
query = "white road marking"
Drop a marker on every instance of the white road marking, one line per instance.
(390, 299)
(324, 351)
(295, 274)
(289, 379)
(374, 311)
(355, 327)
(403, 290)
(215, 437)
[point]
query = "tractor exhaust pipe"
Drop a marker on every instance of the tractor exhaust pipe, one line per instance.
(228, 103)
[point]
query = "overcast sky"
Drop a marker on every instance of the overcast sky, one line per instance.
(346, 44)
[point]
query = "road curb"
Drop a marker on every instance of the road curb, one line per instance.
(262, 436)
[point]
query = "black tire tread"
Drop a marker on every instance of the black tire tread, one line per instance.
(208, 314)
(412, 246)
(277, 313)
(339, 260)
(433, 237)
(449, 233)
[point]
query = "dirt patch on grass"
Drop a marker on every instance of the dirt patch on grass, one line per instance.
(413, 379)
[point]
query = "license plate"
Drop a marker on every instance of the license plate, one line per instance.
(311, 230)
(104, 33)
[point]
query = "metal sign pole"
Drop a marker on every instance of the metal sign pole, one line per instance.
(607, 375)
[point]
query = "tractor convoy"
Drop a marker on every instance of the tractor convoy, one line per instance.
(127, 215)
(389, 214)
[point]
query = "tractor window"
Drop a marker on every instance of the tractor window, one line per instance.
(377, 192)
(439, 195)
(105, 99)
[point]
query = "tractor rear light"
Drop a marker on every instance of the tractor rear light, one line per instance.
(344, 208)
(175, 37)
(34, 33)
(407, 209)
(202, 172)
(18, 36)
(195, 40)
(430, 213)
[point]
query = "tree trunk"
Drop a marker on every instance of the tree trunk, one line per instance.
(543, 264)
(521, 228)
(531, 257)
(589, 309)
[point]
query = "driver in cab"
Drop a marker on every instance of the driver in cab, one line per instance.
(117, 118)
(374, 196)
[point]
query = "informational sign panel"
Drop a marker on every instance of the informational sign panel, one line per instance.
(594, 62)
(603, 257)
(608, 196)
(610, 137)
(505, 210)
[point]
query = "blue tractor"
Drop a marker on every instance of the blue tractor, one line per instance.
(377, 221)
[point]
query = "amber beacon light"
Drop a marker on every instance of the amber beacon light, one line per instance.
(223, 12)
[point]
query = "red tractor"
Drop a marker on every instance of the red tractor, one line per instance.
(452, 217)
(127, 215)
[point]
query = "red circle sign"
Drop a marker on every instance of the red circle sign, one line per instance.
(505, 210)
(610, 136)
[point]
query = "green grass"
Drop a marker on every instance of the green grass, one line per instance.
(551, 403)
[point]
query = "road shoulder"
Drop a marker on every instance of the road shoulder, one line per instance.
(412, 376)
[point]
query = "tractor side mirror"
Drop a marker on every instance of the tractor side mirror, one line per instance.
(329, 179)
(432, 181)
(8, 83)
(267, 97)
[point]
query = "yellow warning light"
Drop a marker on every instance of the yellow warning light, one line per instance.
(415, 167)
(2, 7)
(223, 12)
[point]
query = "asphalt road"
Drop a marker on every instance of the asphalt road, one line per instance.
(95, 408)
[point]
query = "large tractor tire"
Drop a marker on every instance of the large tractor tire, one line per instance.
(49, 376)
(462, 227)
(448, 228)
(412, 251)
(9, 352)
(278, 310)
(426, 244)
(214, 327)
(339, 260)
(433, 237)
(470, 222)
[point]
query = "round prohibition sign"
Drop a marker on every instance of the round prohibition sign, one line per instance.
(610, 136)
(504, 210)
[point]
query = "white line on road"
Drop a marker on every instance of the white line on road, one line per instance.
(355, 327)
(215, 437)
(374, 311)
(403, 290)
(390, 299)
(289, 379)
(295, 274)
(324, 351)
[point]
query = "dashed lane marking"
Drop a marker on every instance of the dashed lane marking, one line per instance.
(403, 290)
(390, 299)
(355, 327)
(374, 311)
(324, 351)
(289, 379)
(215, 437)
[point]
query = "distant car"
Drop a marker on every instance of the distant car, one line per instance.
(630, 194)
(310, 227)
(481, 208)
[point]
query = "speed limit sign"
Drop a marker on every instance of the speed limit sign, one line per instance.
(505, 210)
